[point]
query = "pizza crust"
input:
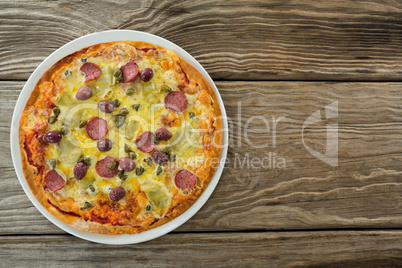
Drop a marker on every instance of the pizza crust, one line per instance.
(34, 175)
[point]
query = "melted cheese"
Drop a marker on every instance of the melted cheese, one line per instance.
(185, 141)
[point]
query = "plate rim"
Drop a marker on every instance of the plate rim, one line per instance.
(76, 45)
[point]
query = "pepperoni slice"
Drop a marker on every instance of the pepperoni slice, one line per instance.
(117, 193)
(53, 181)
(163, 134)
(129, 71)
(126, 164)
(160, 157)
(96, 128)
(176, 101)
(145, 142)
(185, 180)
(84, 93)
(91, 71)
(104, 170)
(80, 170)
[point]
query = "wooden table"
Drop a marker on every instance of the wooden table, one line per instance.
(279, 60)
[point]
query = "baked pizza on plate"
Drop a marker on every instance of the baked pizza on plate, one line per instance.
(120, 137)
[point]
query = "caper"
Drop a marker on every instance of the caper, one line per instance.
(148, 208)
(67, 72)
(127, 148)
(56, 111)
(172, 157)
(136, 106)
(52, 119)
(52, 163)
(83, 123)
(118, 120)
(118, 75)
(156, 140)
(112, 165)
(117, 72)
(148, 160)
(159, 170)
(116, 103)
(87, 205)
(166, 88)
(123, 111)
(167, 150)
(92, 190)
(64, 130)
(85, 160)
(120, 174)
(130, 91)
(139, 170)
(191, 115)
(132, 155)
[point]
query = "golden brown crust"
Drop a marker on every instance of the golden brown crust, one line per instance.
(35, 177)
(31, 172)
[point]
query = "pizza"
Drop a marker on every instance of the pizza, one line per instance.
(120, 137)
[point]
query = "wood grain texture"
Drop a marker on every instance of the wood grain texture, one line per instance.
(233, 40)
(285, 249)
(363, 191)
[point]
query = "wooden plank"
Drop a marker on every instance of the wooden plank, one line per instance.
(363, 191)
(269, 249)
(234, 40)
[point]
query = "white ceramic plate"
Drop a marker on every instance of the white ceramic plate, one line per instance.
(78, 44)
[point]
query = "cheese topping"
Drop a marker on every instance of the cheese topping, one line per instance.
(144, 102)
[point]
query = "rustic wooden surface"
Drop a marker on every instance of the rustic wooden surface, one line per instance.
(237, 40)
(327, 248)
(306, 214)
